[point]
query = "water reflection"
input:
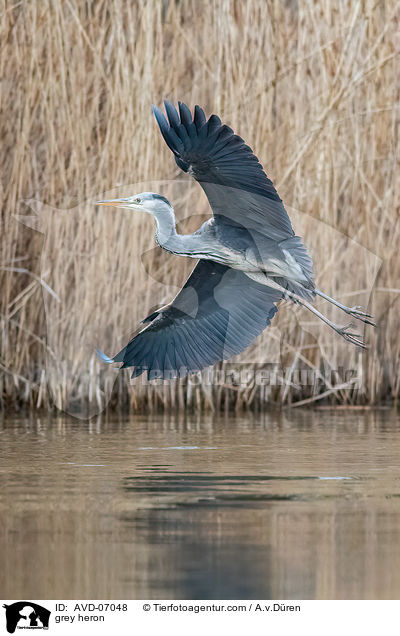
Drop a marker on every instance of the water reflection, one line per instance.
(293, 505)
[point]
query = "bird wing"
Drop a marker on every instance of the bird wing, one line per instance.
(216, 315)
(239, 191)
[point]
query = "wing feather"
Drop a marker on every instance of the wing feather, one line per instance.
(232, 177)
(216, 315)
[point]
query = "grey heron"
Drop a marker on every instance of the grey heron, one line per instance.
(249, 257)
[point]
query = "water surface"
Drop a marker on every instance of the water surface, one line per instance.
(302, 504)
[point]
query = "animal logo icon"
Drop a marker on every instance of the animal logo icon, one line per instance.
(25, 614)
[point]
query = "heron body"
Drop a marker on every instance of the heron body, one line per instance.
(248, 256)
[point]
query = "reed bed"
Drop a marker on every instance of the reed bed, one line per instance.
(312, 87)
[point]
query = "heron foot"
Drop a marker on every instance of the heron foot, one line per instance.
(360, 314)
(354, 338)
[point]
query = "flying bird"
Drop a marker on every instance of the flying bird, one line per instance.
(249, 257)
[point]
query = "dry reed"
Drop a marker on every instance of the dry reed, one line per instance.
(312, 87)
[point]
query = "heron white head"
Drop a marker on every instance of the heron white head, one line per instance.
(156, 205)
(149, 202)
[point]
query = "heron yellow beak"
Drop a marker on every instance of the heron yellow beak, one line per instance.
(113, 202)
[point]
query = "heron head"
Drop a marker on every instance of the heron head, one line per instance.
(149, 202)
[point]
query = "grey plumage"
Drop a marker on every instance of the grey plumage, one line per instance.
(250, 258)
(204, 324)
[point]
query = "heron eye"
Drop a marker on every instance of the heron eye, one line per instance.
(137, 200)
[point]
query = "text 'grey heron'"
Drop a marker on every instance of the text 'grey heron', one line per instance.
(249, 257)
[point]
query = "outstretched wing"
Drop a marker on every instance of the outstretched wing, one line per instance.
(232, 177)
(216, 315)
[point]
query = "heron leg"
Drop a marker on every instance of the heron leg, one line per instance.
(355, 312)
(342, 330)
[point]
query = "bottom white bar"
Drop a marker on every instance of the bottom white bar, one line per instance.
(178, 617)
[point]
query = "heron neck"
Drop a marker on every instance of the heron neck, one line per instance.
(166, 233)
